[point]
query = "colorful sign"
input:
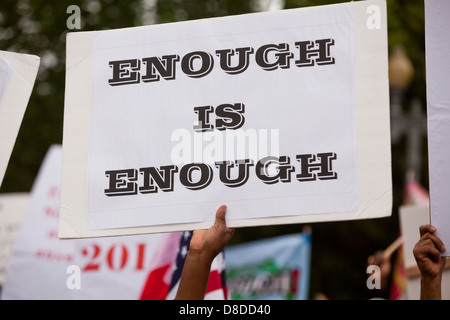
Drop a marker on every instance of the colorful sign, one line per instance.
(275, 268)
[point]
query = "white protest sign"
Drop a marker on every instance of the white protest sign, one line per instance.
(41, 266)
(438, 107)
(114, 267)
(5, 70)
(12, 209)
(282, 116)
(17, 75)
(39, 260)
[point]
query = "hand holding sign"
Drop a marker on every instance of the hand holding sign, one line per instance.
(205, 245)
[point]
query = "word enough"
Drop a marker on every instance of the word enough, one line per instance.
(312, 167)
(197, 64)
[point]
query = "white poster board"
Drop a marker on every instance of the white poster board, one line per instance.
(437, 46)
(12, 209)
(17, 75)
(39, 260)
(149, 112)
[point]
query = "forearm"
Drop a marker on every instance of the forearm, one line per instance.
(430, 288)
(195, 276)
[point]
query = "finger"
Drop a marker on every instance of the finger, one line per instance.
(426, 249)
(220, 215)
(435, 239)
(434, 255)
(426, 228)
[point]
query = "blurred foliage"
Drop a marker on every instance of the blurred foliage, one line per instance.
(180, 10)
(340, 249)
(39, 27)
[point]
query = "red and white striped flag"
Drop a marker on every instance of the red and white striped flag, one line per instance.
(167, 266)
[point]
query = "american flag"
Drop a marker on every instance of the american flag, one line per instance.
(162, 282)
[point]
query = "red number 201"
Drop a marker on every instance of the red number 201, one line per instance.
(115, 263)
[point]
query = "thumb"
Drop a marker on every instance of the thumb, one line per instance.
(220, 215)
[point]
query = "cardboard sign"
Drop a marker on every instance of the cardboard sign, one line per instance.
(283, 117)
(17, 75)
(438, 108)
